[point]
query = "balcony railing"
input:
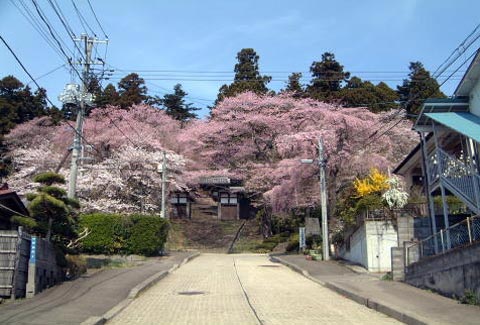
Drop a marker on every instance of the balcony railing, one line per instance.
(461, 234)
(461, 178)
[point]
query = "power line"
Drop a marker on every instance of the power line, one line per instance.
(267, 71)
(44, 19)
(53, 32)
(39, 87)
(33, 21)
(48, 73)
(96, 18)
(62, 19)
(82, 20)
(437, 88)
(443, 68)
(65, 24)
(464, 45)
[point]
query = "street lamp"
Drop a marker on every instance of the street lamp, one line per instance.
(322, 162)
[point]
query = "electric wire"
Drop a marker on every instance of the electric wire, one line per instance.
(437, 88)
(67, 27)
(82, 20)
(63, 21)
(36, 25)
(443, 68)
(53, 32)
(47, 73)
(96, 18)
(39, 87)
(44, 19)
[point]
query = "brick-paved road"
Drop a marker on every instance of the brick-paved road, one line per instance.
(242, 289)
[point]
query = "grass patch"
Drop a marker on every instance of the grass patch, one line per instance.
(387, 276)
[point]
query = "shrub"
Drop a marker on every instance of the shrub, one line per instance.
(293, 244)
(76, 266)
(147, 235)
(118, 234)
(28, 223)
(54, 191)
(49, 178)
(102, 239)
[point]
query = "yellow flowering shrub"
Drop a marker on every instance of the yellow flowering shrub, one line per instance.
(375, 182)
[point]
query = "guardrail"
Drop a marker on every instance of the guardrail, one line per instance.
(463, 233)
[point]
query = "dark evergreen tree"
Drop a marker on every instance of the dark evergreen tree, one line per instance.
(359, 93)
(131, 90)
(109, 96)
(327, 78)
(417, 88)
(176, 107)
(247, 76)
(51, 212)
(294, 85)
(17, 105)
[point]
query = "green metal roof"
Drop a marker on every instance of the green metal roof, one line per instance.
(441, 105)
(464, 123)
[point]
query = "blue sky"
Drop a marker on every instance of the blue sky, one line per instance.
(375, 40)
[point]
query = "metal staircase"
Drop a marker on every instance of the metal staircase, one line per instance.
(456, 176)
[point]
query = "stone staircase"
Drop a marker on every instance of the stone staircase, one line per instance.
(204, 207)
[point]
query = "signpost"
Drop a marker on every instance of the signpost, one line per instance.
(301, 238)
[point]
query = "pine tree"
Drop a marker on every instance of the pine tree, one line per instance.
(109, 96)
(327, 78)
(131, 90)
(247, 76)
(364, 93)
(294, 86)
(417, 88)
(176, 107)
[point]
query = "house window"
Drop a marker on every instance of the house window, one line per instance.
(228, 198)
(179, 198)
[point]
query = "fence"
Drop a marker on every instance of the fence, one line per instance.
(460, 234)
(14, 255)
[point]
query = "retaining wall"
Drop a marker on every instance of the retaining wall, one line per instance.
(451, 273)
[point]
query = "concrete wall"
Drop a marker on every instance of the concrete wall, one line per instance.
(398, 263)
(356, 248)
(451, 273)
(370, 245)
(43, 271)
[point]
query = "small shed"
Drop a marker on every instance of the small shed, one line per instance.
(10, 205)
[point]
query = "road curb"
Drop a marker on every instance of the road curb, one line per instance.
(135, 292)
(366, 301)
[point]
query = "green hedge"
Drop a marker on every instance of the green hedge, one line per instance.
(120, 234)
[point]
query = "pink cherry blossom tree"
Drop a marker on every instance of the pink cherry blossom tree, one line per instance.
(259, 139)
(262, 139)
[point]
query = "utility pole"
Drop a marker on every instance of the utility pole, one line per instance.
(164, 184)
(85, 98)
(322, 163)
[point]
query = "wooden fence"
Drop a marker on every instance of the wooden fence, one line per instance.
(14, 257)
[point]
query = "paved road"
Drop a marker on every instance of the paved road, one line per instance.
(74, 301)
(420, 305)
(242, 289)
